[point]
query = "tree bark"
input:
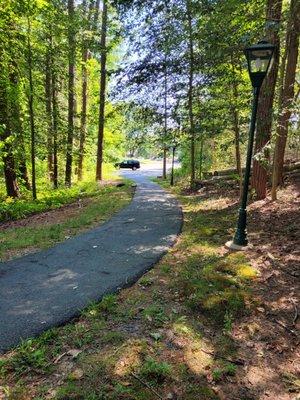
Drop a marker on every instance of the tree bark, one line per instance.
(31, 111)
(55, 126)
(201, 157)
(16, 126)
(102, 93)
(165, 162)
(22, 164)
(24, 173)
(287, 94)
(84, 88)
(265, 107)
(71, 93)
(172, 168)
(165, 119)
(84, 100)
(48, 90)
(12, 188)
(190, 94)
(236, 128)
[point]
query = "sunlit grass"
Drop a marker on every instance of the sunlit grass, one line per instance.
(49, 198)
(104, 203)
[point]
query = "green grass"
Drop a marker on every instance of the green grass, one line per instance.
(48, 198)
(104, 203)
(155, 314)
(223, 370)
(155, 371)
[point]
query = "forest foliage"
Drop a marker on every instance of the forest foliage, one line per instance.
(84, 83)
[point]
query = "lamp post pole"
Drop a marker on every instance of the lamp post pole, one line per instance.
(259, 59)
(172, 170)
(240, 238)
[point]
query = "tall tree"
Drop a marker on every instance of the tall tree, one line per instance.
(190, 91)
(91, 15)
(31, 109)
(236, 124)
(71, 91)
(55, 126)
(17, 126)
(164, 175)
(12, 188)
(265, 106)
(103, 60)
(48, 99)
(8, 98)
(84, 94)
(287, 93)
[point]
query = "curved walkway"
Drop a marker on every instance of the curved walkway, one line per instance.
(48, 288)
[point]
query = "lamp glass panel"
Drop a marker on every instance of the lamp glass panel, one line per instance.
(259, 60)
(259, 65)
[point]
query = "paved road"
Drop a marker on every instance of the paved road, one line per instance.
(48, 288)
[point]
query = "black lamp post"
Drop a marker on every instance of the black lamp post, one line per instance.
(173, 161)
(259, 57)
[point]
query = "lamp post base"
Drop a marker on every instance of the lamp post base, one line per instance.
(232, 246)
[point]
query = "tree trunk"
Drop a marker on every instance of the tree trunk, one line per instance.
(102, 93)
(190, 93)
(172, 169)
(165, 119)
(84, 99)
(265, 107)
(22, 165)
(31, 111)
(287, 95)
(92, 19)
(16, 126)
(23, 173)
(71, 90)
(84, 88)
(201, 157)
(12, 189)
(55, 127)
(48, 91)
(236, 128)
(165, 163)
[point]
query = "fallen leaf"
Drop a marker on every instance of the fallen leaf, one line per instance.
(77, 374)
(74, 353)
(58, 358)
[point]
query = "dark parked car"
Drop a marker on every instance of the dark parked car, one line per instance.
(131, 164)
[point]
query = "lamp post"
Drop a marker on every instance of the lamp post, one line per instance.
(173, 161)
(259, 57)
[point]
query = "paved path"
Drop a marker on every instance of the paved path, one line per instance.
(48, 288)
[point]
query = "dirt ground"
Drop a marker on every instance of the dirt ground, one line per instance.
(269, 337)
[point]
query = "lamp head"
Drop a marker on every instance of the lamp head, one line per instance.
(259, 58)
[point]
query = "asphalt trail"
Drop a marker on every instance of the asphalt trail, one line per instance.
(50, 287)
